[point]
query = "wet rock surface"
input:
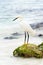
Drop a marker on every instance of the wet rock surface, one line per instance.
(13, 36)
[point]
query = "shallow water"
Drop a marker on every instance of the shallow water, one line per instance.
(6, 52)
(32, 10)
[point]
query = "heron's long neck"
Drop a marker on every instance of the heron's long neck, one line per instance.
(21, 21)
(22, 24)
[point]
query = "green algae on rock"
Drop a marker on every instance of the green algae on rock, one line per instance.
(28, 50)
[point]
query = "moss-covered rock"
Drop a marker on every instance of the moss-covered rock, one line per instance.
(28, 50)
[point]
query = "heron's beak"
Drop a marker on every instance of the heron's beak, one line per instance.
(20, 18)
(15, 18)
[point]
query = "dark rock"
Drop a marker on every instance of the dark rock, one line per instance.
(11, 37)
(6, 38)
(40, 35)
(36, 25)
(16, 34)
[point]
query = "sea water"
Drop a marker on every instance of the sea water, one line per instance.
(32, 10)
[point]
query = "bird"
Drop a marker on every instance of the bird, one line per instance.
(26, 28)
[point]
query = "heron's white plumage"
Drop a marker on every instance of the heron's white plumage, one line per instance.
(26, 27)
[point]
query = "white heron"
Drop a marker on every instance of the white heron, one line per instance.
(26, 28)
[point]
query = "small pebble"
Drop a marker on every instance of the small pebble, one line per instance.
(40, 35)
(10, 37)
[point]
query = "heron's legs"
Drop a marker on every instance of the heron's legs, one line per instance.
(27, 37)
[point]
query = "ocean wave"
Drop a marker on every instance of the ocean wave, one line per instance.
(29, 10)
